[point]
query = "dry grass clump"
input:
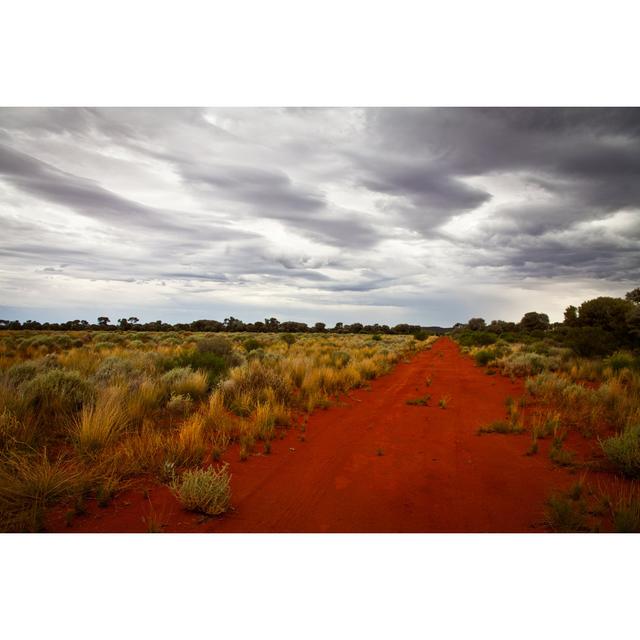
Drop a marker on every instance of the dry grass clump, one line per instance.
(190, 445)
(623, 503)
(28, 484)
(205, 490)
(101, 423)
(142, 452)
(264, 422)
(144, 400)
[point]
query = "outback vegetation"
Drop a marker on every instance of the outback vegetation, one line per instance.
(88, 411)
(85, 413)
(582, 395)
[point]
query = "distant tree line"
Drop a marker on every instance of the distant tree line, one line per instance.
(598, 327)
(231, 324)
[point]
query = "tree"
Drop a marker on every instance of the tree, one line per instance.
(133, 320)
(319, 327)
(103, 321)
(608, 314)
(476, 324)
(633, 296)
(571, 316)
(533, 321)
(633, 321)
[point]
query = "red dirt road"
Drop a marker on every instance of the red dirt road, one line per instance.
(435, 473)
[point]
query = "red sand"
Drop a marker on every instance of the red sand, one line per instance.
(435, 474)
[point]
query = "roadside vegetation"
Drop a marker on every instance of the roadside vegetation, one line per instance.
(582, 385)
(83, 413)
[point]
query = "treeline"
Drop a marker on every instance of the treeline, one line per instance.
(231, 324)
(598, 327)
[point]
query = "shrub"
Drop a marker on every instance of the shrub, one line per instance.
(205, 490)
(621, 360)
(590, 341)
(623, 451)
(113, 369)
(476, 338)
(54, 394)
(251, 344)
(522, 364)
(502, 426)
(564, 515)
(214, 364)
(484, 357)
(221, 347)
(423, 401)
(288, 339)
(184, 381)
(179, 405)
(22, 372)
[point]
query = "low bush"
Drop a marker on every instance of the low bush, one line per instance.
(484, 357)
(205, 490)
(502, 426)
(53, 395)
(623, 451)
(564, 515)
(184, 381)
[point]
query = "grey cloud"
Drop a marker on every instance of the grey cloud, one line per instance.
(403, 173)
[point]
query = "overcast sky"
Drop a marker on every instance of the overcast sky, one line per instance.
(426, 216)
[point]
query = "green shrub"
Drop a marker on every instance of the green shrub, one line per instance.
(22, 372)
(476, 338)
(213, 364)
(221, 347)
(251, 344)
(484, 357)
(623, 451)
(53, 394)
(113, 369)
(288, 338)
(205, 490)
(621, 360)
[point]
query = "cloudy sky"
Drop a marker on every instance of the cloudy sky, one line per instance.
(374, 215)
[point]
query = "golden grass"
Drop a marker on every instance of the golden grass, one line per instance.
(100, 424)
(29, 483)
